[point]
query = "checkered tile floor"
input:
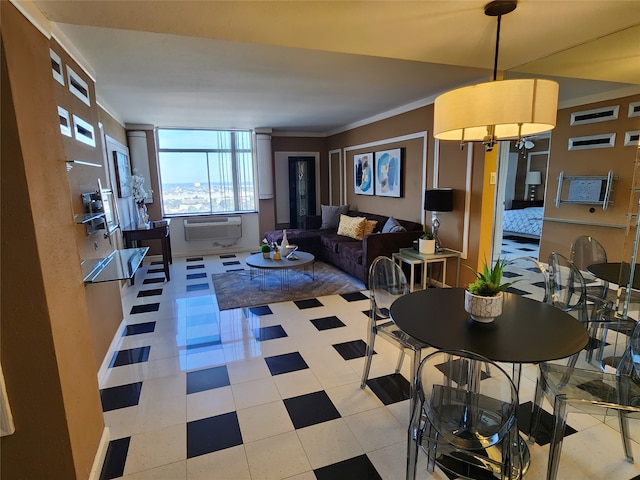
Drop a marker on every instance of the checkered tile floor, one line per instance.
(272, 392)
(513, 247)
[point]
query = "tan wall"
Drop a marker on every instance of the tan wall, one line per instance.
(606, 226)
(46, 348)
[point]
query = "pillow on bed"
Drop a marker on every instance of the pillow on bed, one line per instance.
(352, 227)
(331, 215)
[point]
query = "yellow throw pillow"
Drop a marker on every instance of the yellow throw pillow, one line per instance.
(369, 226)
(352, 227)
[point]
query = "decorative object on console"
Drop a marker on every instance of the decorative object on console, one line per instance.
(438, 200)
(533, 179)
(388, 171)
(139, 196)
(497, 110)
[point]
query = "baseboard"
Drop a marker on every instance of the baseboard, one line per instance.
(98, 461)
(115, 342)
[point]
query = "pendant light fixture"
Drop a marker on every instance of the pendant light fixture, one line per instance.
(496, 110)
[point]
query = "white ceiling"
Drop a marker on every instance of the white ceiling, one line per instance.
(318, 66)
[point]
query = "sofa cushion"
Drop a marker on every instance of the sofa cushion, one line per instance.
(352, 227)
(330, 241)
(331, 215)
(351, 251)
(370, 226)
(393, 226)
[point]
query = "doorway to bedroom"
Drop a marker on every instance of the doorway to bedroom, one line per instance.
(520, 194)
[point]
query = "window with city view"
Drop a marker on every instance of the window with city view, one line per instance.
(206, 171)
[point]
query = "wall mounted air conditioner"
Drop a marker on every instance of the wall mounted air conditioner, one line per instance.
(212, 228)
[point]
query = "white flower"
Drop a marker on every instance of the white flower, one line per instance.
(137, 189)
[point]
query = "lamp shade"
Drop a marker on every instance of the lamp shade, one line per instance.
(533, 178)
(438, 200)
(515, 107)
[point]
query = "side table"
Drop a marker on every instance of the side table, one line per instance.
(413, 257)
(133, 236)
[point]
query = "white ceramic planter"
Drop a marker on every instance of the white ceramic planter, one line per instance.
(426, 246)
(483, 309)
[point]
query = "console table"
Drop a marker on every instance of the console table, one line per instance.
(134, 235)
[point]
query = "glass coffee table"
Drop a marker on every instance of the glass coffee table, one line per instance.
(283, 266)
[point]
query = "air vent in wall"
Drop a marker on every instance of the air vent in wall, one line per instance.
(605, 140)
(65, 123)
(596, 115)
(632, 139)
(56, 67)
(83, 131)
(634, 109)
(78, 86)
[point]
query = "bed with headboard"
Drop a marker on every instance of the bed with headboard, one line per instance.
(524, 219)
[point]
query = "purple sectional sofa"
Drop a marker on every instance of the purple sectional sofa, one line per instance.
(352, 256)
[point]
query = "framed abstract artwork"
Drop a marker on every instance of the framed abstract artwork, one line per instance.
(363, 174)
(388, 170)
(123, 174)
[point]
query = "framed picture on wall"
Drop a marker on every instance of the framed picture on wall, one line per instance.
(388, 173)
(363, 174)
(123, 174)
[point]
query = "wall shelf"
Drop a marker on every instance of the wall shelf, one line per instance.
(119, 265)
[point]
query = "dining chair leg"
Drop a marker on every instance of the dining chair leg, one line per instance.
(516, 374)
(413, 439)
(368, 356)
(623, 420)
(400, 360)
(560, 421)
(536, 409)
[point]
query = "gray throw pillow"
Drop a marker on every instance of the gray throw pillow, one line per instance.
(331, 215)
(392, 226)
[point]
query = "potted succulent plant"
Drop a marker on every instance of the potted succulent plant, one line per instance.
(426, 243)
(266, 250)
(483, 298)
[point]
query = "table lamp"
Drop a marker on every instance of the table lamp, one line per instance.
(438, 200)
(533, 179)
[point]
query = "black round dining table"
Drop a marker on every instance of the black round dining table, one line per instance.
(615, 272)
(528, 331)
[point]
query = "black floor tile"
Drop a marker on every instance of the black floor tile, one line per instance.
(227, 264)
(194, 267)
(211, 342)
(288, 362)
(213, 434)
(508, 274)
(139, 328)
(155, 270)
(150, 307)
(311, 409)
(354, 296)
(327, 323)
(229, 255)
(593, 344)
(122, 396)
(130, 356)
(390, 388)
(357, 468)
(115, 458)
(260, 311)
(467, 470)
(269, 333)
(539, 284)
(545, 428)
(150, 293)
(235, 270)
(309, 303)
(517, 291)
(352, 349)
(147, 281)
(156, 262)
(195, 259)
(197, 287)
(193, 276)
(454, 369)
(207, 379)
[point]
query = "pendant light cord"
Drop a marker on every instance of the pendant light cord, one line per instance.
(495, 61)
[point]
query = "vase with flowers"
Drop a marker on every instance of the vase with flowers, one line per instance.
(139, 196)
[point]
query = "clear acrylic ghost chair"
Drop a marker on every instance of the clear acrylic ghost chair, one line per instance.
(465, 415)
(387, 283)
(585, 251)
(532, 281)
(589, 391)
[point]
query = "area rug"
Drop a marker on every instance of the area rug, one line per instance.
(242, 289)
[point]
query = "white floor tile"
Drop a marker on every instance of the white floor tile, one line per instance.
(277, 457)
(329, 442)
